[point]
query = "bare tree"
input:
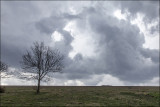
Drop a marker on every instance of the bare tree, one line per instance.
(6, 72)
(3, 67)
(40, 61)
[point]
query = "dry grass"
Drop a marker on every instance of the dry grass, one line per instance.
(80, 96)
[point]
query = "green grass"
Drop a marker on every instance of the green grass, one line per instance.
(80, 96)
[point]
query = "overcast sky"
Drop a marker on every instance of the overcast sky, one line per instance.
(104, 42)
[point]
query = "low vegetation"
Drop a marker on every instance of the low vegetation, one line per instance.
(2, 89)
(80, 96)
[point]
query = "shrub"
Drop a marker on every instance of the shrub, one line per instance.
(2, 89)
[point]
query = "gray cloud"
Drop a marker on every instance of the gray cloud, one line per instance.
(119, 45)
(121, 52)
(153, 54)
(19, 29)
(49, 25)
(149, 8)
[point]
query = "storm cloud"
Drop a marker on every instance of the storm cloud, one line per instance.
(96, 43)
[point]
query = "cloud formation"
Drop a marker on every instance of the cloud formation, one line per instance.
(96, 44)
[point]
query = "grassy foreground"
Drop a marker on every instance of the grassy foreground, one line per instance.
(80, 96)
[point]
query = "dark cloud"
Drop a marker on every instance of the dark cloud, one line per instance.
(51, 24)
(19, 29)
(150, 10)
(153, 54)
(120, 47)
(121, 52)
(78, 57)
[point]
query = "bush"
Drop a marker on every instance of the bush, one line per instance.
(2, 89)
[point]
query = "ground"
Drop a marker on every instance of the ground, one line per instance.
(80, 96)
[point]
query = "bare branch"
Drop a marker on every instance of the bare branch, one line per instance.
(42, 60)
(3, 67)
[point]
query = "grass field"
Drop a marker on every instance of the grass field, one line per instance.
(80, 96)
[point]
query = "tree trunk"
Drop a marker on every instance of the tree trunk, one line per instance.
(38, 87)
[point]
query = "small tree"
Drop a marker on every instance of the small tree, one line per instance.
(40, 61)
(3, 68)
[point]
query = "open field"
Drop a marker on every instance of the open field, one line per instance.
(80, 96)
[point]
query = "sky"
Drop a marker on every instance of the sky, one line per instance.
(104, 42)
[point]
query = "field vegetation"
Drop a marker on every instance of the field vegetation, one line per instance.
(80, 96)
